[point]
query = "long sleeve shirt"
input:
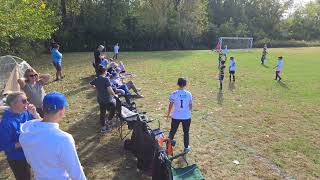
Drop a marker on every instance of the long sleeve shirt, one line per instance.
(10, 129)
(50, 151)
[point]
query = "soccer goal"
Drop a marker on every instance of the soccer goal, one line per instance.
(236, 43)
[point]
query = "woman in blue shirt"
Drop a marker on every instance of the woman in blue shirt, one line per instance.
(10, 127)
(57, 61)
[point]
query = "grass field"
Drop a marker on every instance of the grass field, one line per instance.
(271, 128)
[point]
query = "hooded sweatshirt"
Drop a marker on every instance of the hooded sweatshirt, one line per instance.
(50, 151)
(10, 129)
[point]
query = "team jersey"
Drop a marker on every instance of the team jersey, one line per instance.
(222, 70)
(279, 65)
(232, 66)
(225, 51)
(181, 100)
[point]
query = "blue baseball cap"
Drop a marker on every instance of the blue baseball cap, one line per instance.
(54, 101)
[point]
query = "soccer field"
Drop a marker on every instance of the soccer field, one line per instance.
(272, 128)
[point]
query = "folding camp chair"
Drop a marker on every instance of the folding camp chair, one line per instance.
(125, 116)
(166, 171)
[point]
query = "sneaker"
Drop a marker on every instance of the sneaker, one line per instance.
(105, 129)
(187, 149)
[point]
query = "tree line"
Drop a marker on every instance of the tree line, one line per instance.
(79, 25)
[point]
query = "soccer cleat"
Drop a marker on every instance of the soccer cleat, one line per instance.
(187, 149)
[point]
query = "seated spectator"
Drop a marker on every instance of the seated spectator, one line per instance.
(122, 67)
(10, 128)
(116, 80)
(50, 151)
(105, 97)
(32, 84)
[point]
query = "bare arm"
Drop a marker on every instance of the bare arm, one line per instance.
(44, 78)
(170, 109)
(111, 92)
(22, 82)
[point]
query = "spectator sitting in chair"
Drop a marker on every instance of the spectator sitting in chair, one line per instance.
(117, 81)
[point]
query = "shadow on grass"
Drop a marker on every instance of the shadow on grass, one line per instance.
(86, 80)
(102, 155)
(265, 66)
(282, 84)
(232, 86)
(4, 172)
(220, 97)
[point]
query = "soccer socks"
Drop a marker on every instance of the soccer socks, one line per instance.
(220, 85)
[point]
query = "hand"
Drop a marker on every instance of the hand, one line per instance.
(32, 109)
(18, 145)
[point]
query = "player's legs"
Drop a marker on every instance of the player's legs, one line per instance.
(186, 127)
(174, 127)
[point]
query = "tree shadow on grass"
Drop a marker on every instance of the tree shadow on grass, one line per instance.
(282, 84)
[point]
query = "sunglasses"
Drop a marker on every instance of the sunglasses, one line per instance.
(23, 101)
(33, 75)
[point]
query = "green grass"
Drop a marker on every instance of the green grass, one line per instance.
(266, 125)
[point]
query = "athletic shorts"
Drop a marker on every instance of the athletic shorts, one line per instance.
(57, 66)
(221, 77)
(232, 72)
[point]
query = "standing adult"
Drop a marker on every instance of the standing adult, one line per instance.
(10, 128)
(279, 68)
(116, 51)
(50, 151)
(180, 111)
(98, 58)
(57, 61)
(32, 84)
(105, 98)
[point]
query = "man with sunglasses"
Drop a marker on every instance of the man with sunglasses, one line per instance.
(10, 128)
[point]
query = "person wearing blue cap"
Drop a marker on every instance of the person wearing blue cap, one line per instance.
(50, 151)
(105, 97)
(10, 129)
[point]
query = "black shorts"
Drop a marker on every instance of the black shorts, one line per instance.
(232, 72)
(221, 77)
(57, 66)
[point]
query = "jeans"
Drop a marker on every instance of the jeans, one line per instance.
(185, 125)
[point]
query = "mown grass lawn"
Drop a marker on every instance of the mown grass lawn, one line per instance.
(271, 128)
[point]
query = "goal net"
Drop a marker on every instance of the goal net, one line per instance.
(240, 43)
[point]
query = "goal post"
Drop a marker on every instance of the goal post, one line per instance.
(239, 43)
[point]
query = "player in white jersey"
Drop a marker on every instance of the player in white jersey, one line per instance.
(232, 68)
(279, 68)
(180, 111)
